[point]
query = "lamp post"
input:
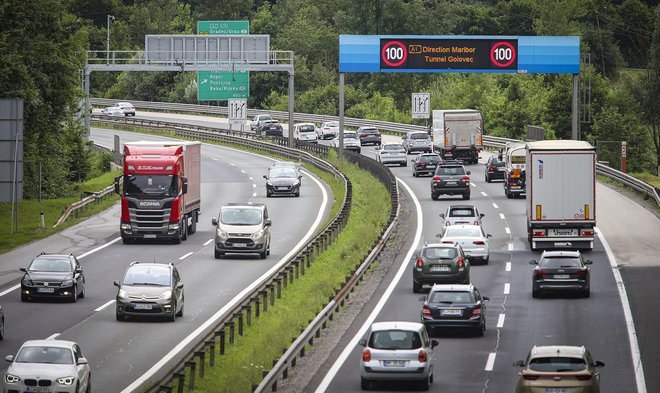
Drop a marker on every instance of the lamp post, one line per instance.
(107, 53)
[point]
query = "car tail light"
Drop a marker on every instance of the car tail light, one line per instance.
(426, 312)
(538, 233)
(512, 183)
(175, 213)
(125, 214)
(461, 264)
(466, 178)
(491, 169)
(366, 355)
(478, 242)
(423, 357)
(363, 135)
(448, 241)
(419, 263)
(582, 272)
(420, 164)
(586, 232)
(530, 377)
(540, 272)
(437, 178)
(476, 312)
(583, 377)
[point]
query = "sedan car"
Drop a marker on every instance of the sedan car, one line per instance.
(270, 128)
(369, 135)
(461, 214)
(440, 263)
(351, 141)
(450, 178)
(495, 169)
(397, 351)
(328, 130)
(150, 290)
(48, 366)
(391, 153)
(559, 369)
(425, 164)
(112, 111)
(53, 276)
(561, 271)
(282, 180)
(471, 238)
(455, 306)
(417, 141)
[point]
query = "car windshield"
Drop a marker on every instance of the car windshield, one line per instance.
(559, 262)
(450, 170)
(50, 265)
(450, 297)
(332, 124)
(461, 212)
(281, 172)
(419, 135)
(238, 216)
(264, 117)
(271, 122)
(148, 186)
(369, 130)
(42, 354)
(557, 364)
(147, 275)
(457, 231)
(429, 159)
(350, 135)
(393, 147)
(307, 128)
(439, 253)
(395, 339)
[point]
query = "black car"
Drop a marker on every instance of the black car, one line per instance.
(282, 180)
(425, 164)
(270, 128)
(495, 169)
(369, 135)
(440, 263)
(455, 306)
(53, 276)
(450, 178)
(561, 271)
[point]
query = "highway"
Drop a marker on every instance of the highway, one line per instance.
(121, 352)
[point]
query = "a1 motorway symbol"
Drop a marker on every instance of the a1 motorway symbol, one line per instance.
(394, 53)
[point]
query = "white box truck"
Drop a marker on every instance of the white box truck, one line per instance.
(561, 194)
(457, 134)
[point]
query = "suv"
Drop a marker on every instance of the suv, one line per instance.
(425, 163)
(127, 109)
(53, 276)
(461, 214)
(450, 178)
(558, 368)
(417, 141)
(258, 120)
(328, 130)
(242, 228)
(150, 289)
(369, 135)
(495, 169)
(440, 263)
(561, 271)
(270, 128)
(449, 305)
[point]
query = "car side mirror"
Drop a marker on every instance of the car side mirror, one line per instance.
(481, 215)
(442, 215)
(362, 342)
(485, 298)
(22, 269)
(533, 262)
(518, 363)
(489, 235)
(599, 364)
(82, 361)
(117, 178)
(588, 262)
(434, 343)
(78, 270)
(268, 222)
(116, 283)
(9, 358)
(439, 235)
(214, 222)
(185, 185)
(265, 177)
(179, 285)
(468, 172)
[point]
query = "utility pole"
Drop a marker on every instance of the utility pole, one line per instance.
(107, 53)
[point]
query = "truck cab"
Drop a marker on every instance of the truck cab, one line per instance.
(514, 158)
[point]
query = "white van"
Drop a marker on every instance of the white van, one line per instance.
(305, 132)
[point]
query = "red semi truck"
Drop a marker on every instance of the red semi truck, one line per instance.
(160, 197)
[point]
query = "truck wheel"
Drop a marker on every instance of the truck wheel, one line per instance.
(193, 225)
(184, 229)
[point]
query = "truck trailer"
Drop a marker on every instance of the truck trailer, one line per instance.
(457, 134)
(561, 194)
(160, 196)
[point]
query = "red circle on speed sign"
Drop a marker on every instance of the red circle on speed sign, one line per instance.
(502, 54)
(394, 53)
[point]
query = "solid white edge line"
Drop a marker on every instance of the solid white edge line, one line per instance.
(507, 230)
(490, 363)
(507, 288)
(500, 321)
(484, 194)
(105, 305)
(208, 242)
(214, 159)
(10, 289)
(495, 206)
(243, 171)
(502, 216)
(508, 267)
(630, 323)
(232, 303)
(381, 303)
(186, 256)
(53, 336)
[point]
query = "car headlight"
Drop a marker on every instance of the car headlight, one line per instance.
(66, 380)
(67, 283)
(258, 234)
(296, 183)
(166, 295)
(26, 281)
(9, 378)
(122, 294)
(268, 182)
(222, 234)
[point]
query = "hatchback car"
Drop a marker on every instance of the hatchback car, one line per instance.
(461, 214)
(391, 153)
(440, 263)
(471, 238)
(328, 130)
(53, 276)
(455, 306)
(559, 369)
(305, 132)
(150, 290)
(48, 366)
(242, 228)
(351, 141)
(282, 180)
(127, 109)
(495, 169)
(450, 179)
(257, 121)
(397, 351)
(417, 141)
(369, 135)
(270, 128)
(425, 164)
(561, 271)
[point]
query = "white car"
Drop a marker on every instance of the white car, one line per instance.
(112, 111)
(126, 108)
(328, 130)
(305, 132)
(48, 366)
(461, 214)
(351, 141)
(391, 153)
(472, 238)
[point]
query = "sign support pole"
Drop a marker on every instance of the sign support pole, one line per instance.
(290, 109)
(574, 111)
(341, 116)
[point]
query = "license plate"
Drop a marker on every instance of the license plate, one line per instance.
(430, 166)
(556, 390)
(394, 363)
(450, 183)
(440, 269)
(451, 312)
(36, 389)
(140, 306)
(560, 276)
(239, 245)
(501, 169)
(46, 290)
(563, 232)
(151, 236)
(563, 244)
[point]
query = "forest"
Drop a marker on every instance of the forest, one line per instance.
(44, 44)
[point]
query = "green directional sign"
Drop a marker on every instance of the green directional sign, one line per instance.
(223, 85)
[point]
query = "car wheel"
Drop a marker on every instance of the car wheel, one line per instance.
(268, 194)
(82, 293)
(89, 379)
(417, 287)
(263, 254)
(74, 296)
(365, 385)
(488, 180)
(297, 194)
(434, 196)
(405, 163)
(466, 196)
(172, 316)
(425, 384)
(481, 330)
(535, 293)
(126, 240)
(193, 225)
(2, 329)
(414, 174)
(184, 230)
(218, 254)
(119, 316)
(25, 298)
(180, 313)
(486, 260)
(586, 293)
(508, 194)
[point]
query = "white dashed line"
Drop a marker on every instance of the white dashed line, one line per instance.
(510, 246)
(484, 194)
(214, 159)
(243, 171)
(254, 194)
(254, 185)
(186, 256)
(53, 336)
(508, 231)
(105, 305)
(502, 216)
(495, 206)
(472, 184)
(232, 164)
(500, 321)
(507, 288)
(508, 267)
(208, 242)
(251, 178)
(490, 363)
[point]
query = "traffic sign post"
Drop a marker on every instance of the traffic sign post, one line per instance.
(237, 112)
(624, 155)
(421, 105)
(223, 27)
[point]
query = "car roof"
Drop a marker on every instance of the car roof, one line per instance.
(304, 124)
(158, 264)
(396, 325)
(255, 205)
(392, 143)
(461, 207)
(464, 226)
(48, 343)
(558, 350)
(53, 255)
(441, 245)
(124, 103)
(551, 254)
(452, 287)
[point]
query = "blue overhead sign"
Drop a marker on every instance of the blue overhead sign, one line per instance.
(500, 54)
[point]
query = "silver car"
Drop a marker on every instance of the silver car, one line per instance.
(397, 351)
(328, 130)
(391, 153)
(48, 366)
(242, 228)
(351, 141)
(417, 141)
(472, 238)
(461, 214)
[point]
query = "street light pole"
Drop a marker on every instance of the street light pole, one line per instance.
(107, 53)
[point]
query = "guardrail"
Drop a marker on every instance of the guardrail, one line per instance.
(74, 207)
(629, 181)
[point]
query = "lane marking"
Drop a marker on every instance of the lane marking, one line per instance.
(500, 321)
(507, 288)
(52, 337)
(10, 289)
(231, 163)
(243, 171)
(208, 242)
(186, 256)
(254, 194)
(105, 305)
(251, 178)
(484, 194)
(510, 246)
(341, 359)
(254, 185)
(472, 184)
(495, 206)
(215, 159)
(490, 363)
(502, 216)
(508, 267)
(508, 231)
